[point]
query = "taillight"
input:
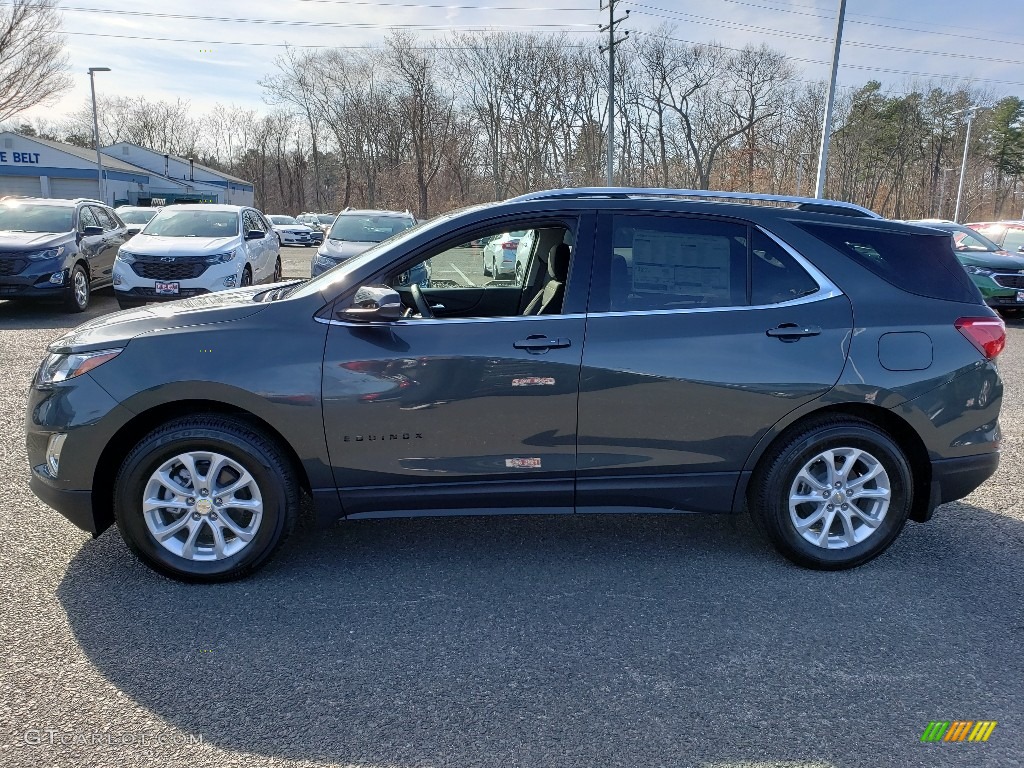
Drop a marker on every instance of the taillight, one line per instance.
(988, 334)
(510, 245)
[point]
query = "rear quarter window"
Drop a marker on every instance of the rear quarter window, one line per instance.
(921, 264)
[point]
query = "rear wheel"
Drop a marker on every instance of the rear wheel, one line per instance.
(834, 494)
(205, 499)
(483, 261)
(79, 290)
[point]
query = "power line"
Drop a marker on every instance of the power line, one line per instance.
(445, 7)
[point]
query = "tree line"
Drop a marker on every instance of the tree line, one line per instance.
(434, 124)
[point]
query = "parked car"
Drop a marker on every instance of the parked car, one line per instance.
(998, 273)
(354, 231)
(1008, 235)
(321, 221)
(291, 232)
(136, 217)
(55, 249)
(829, 371)
(190, 250)
(499, 255)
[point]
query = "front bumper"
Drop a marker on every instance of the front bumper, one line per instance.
(33, 282)
(131, 288)
(84, 411)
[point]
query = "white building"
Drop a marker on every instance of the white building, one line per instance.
(210, 185)
(132, 175)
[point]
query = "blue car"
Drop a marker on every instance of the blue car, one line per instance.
(61, 250)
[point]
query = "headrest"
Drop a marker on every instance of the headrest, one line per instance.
(558, 262)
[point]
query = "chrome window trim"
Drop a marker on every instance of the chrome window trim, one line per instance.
(450, 320)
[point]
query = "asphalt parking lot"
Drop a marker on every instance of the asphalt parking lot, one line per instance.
(513, 641)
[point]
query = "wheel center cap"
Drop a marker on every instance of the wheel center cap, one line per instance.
(204, 506)
(838, 498)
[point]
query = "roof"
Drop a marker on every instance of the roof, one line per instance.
(374, 212)
(84, 153)
(185, 160)
(206, 207)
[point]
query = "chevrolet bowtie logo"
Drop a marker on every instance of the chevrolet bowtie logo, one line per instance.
(167, 258)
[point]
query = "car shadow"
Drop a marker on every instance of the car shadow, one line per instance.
(575, 640)
(44, 315)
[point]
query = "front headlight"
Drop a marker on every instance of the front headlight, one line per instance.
(324, 260)
(971, 270)
(220, 258)
(56, 367)
(126, 256)
(48, 253)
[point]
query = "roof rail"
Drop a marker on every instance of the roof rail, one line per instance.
(87, 200)
(801, 203)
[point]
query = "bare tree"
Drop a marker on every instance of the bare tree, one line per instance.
(32, 59)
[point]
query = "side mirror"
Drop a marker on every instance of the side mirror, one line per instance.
(255, 234)
(374, 303)
(132, 231)
(92, 231)
(1020, 249)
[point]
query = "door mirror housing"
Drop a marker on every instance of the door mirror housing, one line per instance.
(255, 234)
(132, 231)
(374, 303)
(92, 231)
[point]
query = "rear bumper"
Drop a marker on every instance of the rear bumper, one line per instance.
(953, 479)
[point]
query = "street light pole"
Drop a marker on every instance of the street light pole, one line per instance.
(963, 165)
(819, 188)
(96, 132)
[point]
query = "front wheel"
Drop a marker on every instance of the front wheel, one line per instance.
(246, 276)
(205, 499)
(79, 290)
(277, 271)
(833, 495)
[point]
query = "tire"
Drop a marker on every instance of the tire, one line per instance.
(483, 261)
(79, 290)
(861, 526)
(237, 446)
(246, 276)
(278, 271)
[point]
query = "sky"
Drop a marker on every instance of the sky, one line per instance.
(216, 52)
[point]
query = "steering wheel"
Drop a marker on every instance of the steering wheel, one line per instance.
(421, 303)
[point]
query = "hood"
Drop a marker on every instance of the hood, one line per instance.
(119, 328)
(998, 260)
(36, 241)
(340, 250)
(155, 245)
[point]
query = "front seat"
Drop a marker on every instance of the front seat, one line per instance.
(549, 300)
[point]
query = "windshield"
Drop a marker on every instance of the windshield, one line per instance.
(137, 217)
(193, 224)
(22, 217)
(969, 240)
(325, 218)
(368, 229)
(282, 220)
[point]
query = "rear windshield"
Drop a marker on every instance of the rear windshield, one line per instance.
(137, 217)
(916, 263)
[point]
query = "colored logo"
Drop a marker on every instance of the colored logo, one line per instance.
(959, 730)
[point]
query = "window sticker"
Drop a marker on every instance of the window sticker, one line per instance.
(682, 265)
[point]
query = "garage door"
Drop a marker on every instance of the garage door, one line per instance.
(70, 188)
(19, 185)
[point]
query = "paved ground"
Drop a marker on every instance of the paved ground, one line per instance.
(590, 641)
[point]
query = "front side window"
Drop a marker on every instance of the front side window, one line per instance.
(193, 223)
(539, 256)
(86, 219)
(103, 219)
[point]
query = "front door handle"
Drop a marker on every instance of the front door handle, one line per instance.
(539, 343)
(792, 331)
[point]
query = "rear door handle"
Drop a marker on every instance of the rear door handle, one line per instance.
(792, 331)
(540, 343)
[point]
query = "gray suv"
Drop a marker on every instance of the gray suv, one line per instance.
(828, 371)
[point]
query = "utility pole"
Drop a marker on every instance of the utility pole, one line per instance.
(612, 42)
(100, 186)
(971, 112)
(819, 189)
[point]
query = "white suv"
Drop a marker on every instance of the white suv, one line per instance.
(188, 250)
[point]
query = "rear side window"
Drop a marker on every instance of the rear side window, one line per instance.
(916, 263)
(775, 276)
